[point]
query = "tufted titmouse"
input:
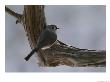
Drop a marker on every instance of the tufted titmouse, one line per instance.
(46, 39)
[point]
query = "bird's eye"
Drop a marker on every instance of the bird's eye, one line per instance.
(52, 27)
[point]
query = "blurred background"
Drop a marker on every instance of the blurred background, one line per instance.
(80, 26)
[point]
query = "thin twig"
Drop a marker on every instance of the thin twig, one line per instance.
(16, 15)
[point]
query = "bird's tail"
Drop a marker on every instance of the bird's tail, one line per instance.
(30, 54)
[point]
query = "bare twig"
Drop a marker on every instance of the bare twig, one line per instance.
(16, 15)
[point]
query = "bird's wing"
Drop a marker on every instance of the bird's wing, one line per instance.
(47, 38)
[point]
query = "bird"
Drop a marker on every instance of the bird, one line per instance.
(46, 39)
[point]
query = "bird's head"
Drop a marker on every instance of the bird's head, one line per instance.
(52, 27)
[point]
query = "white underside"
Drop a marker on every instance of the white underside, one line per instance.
(46, 47)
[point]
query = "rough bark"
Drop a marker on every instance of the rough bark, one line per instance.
(33, 20)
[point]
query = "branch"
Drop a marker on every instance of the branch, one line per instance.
(34, 22)
(14, 14)
(72, 56)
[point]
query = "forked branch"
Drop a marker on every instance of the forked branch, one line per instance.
(33, 20)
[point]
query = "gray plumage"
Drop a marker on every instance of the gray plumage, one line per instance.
(46, 39)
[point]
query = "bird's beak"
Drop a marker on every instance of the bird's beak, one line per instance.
(57, 28)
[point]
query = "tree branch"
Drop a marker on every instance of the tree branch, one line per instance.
(16, 15)
(34, 21)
